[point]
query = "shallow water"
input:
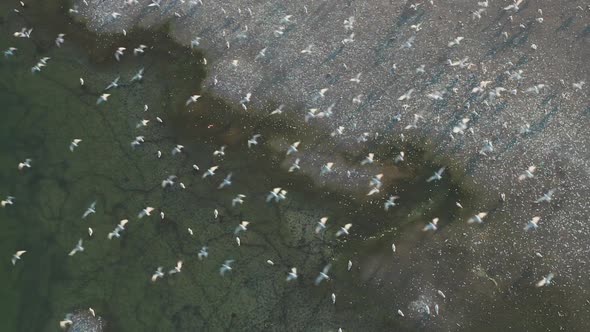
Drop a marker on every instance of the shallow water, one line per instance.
(43, 112)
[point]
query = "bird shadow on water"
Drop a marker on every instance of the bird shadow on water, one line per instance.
(112, 276)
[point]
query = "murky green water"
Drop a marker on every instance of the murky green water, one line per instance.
(42, 113)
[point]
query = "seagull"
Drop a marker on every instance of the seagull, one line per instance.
(436, 95)
(513, 6)
(245, 100)
(477, 14)
(437, 175)
(349, 265)
(220, 152)
(215, 214)
(8, 201)
(369, 159)
(138, 140)
(23, 33)
(226, 266)
(333, 298)
(238, 200)
(321, 225)
(416, 27)
(177, 268)
(487, 148)
(142, 123)
(327, 168)
(10, 51)
(138, 76)
(295, 166)
(91, 209)
(535, 88)
(356, 79)
(210, 171)
(461, 63)
(113, 84)
(226, 182)
(323, 275)
(528, 173)
(77, 249)
(357, 99)
(546, 281)
(293, 148)
(157, 274)
(119, 53)
(483, 3)
(192, 99)
(349, 39)
(455, 41)
(337, 131)
(92, 312)
(406, 96)
(169, 181)
(393, 247)
(195, 42)
(103, 98)
(59, 40)
(273, 194)
(461, 126)
(253, 140)
(546, 197)
(121, 226)
(343, 230)
(26, 163)
(310, 114)
(155, 3)
(431, 225)
(376, 181)
(439, 292)
(177, 149)
(390, 202)
(145, 212)
(114, 233)
(286, 19)
(74, 144)
(399, 312)
(139, 50)
(478, 218)
(90, 231)
(292, 275)
(349, 23)
(66, 322)
(408, 43)
(242, 227)
(577, 86)
(17, 255)
(399, 158)
(532, 224)
(278, 110)
(203, 253)
(269, 262)
(261, 54)
(307, 50)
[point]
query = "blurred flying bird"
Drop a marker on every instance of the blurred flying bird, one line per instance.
(77, 249)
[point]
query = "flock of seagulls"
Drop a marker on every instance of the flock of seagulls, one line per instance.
(278, 194)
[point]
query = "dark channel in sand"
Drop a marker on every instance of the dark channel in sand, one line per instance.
(43, 112)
